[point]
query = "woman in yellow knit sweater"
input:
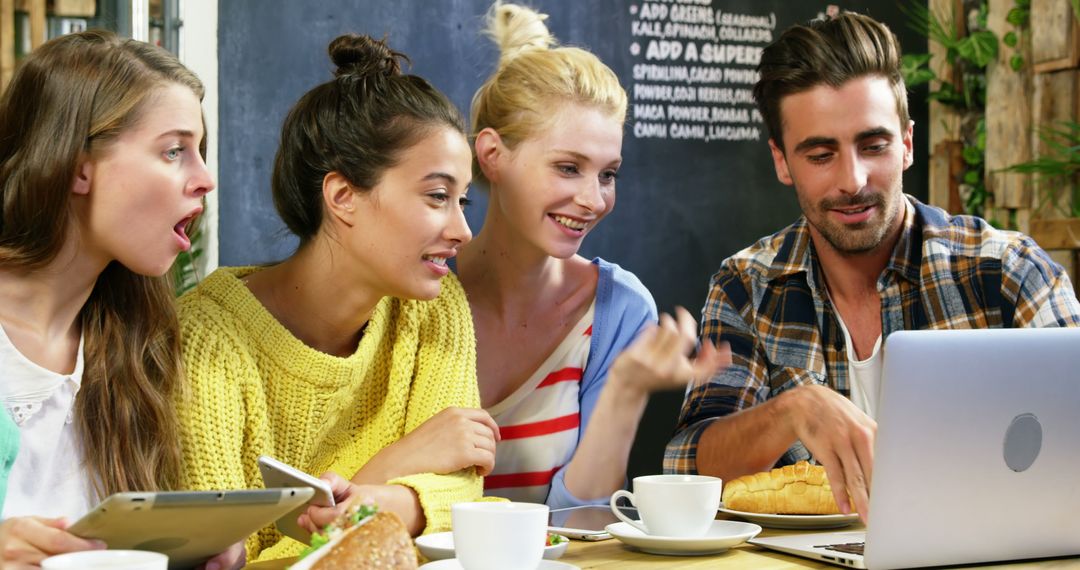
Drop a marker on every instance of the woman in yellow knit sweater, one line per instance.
(332, 359)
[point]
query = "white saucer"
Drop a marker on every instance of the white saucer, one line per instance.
(722, 535)
(453, 564)
(440, 546)
(796, 522)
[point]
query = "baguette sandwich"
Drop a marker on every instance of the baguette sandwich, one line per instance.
(360, 539)
(800, 489)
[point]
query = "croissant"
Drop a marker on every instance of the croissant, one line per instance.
(800, 489)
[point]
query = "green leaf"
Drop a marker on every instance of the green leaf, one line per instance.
(980, 48)
(1016, 62)
(914, 71)
(1010, 39)
(1018, 17)
(971, 177)
(935, 27)
(972, 155)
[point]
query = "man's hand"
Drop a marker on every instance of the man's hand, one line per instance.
(841, 438)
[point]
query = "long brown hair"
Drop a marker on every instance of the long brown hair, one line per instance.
(67, 101)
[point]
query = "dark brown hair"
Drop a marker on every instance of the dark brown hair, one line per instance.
(69, 100)
(357, 124)
(829, 51)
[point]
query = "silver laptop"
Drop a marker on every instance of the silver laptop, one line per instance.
(977, 457)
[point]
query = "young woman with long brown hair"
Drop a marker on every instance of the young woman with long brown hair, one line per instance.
(101, 172)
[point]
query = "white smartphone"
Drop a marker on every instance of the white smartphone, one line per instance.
(188, 526)
(278, 474)
(586, 522)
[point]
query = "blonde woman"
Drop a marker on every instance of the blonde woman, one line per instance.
(101, 172)
(568, 351)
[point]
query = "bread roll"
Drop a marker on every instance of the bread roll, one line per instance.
(375, 541)
(800, 489)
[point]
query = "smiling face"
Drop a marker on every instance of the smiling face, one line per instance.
(405, 228)
(146, 185)
(553, 188)
(845, 153)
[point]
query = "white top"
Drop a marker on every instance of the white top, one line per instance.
(864, 376)
(47, 478)
(539, 422)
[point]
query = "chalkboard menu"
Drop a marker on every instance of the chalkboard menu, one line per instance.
(697, 182)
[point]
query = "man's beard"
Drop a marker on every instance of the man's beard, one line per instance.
(854, 238)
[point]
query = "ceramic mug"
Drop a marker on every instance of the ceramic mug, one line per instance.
(499, 536)
(111, 559)
(672, 505)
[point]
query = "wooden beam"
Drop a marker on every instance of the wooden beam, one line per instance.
(7, 41)
(37, 23)
(1008, 118)
(944, 123)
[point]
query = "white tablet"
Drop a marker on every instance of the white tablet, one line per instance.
(586, 522)
(278, 474)
(188, 526)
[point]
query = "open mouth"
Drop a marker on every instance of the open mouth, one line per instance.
(570, 223)
(440, 261)
(180, 229)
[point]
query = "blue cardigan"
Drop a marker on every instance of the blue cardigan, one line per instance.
(623, 307)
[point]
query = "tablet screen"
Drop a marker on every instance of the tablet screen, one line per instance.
(591, 518)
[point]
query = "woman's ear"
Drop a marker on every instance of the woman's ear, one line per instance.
(84, 172)
(489, 148)
(339, 196)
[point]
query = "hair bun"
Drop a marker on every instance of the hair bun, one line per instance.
(364, 56)
(516, 29)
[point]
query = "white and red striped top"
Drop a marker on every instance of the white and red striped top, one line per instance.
(539, 422)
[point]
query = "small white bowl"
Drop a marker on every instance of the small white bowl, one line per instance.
(112, 559)
(440, 546)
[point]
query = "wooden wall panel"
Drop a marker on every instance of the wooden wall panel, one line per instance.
(7, 41)
(1054, 35)
(944, 121)
(1008, 118)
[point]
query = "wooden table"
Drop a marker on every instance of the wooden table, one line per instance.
(612, 555)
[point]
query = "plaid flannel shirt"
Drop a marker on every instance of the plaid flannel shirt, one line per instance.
(946, 272)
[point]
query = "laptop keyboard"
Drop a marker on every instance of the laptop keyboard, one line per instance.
(847, 548)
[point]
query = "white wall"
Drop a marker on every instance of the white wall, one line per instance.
(199, 51)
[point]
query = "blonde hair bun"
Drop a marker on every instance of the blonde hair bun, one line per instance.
(516, 29)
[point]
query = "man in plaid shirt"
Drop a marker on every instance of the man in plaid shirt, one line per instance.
(806, 309)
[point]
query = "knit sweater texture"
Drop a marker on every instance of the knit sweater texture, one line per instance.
(255, 389)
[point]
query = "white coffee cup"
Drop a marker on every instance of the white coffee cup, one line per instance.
(672, 505)
(499, 536)
(111, 559)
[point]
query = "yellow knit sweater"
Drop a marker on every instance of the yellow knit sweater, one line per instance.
(256, 389)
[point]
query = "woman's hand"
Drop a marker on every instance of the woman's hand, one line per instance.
(659, 359)
(451, 440)
(26, 541)
(345, 493)
(232, 558)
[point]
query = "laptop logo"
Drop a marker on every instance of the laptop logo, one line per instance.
(1023, 441)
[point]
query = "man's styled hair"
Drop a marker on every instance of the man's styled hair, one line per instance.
(829, 51)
